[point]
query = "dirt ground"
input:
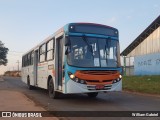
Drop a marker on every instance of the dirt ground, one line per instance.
(16, 101)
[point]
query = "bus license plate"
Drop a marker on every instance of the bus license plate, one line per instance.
(99, 87)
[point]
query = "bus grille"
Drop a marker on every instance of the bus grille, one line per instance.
(99, 72)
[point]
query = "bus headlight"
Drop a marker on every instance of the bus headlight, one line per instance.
(120, 76)
(82, 81)
(118, 79)
(75, 79)
(114, 81)
(72, 76)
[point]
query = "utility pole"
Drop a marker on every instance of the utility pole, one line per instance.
(18, 65)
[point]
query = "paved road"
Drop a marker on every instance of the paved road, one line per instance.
(113, 101)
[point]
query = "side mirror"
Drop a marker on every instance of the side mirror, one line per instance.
(67, 41)
(68, 50)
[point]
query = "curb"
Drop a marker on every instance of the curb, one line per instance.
(143, 94)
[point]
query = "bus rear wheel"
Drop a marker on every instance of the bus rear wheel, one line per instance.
(93, 94)
(52, 93)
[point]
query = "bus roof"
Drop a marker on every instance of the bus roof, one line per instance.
(65, 29)
(94, 24)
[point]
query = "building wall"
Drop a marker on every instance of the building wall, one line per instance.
(147, 64)
(150, 45)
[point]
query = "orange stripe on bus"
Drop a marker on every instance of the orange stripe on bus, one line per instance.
(97, 75)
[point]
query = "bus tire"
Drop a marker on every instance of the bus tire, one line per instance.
(52, 93)
(93, 94)
(30, 87)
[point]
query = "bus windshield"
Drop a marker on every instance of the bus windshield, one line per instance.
(93, 52)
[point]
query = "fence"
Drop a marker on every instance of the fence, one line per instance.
(128, 66)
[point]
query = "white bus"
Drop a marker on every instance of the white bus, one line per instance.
(78, 58)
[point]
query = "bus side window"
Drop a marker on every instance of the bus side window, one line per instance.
(32, 55)
(42, 53)
(50, 50)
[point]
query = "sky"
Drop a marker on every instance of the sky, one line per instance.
(25, 23)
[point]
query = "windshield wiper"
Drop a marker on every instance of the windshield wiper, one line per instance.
(106, 54)
(89, 46)
(107, 49)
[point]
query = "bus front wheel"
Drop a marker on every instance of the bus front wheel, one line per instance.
(93, 94)
(52, 93)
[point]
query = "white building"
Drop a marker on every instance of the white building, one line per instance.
(144, 51)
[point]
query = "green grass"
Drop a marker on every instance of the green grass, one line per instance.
(143, 84)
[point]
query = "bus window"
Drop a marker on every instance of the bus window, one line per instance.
(42, 53)
(32, 55)
(50, 50)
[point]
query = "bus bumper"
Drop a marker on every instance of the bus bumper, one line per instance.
(73, 87)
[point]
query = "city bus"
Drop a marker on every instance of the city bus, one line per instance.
(77, 58)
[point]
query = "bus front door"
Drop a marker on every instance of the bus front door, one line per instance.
(59, 63)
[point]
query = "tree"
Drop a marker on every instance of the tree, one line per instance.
(3, 54)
